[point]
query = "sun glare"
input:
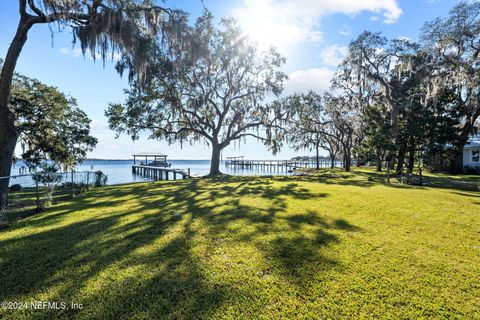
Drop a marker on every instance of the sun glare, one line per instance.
(267, 25)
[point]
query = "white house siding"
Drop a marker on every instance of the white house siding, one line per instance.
(467, 158)
(473, 145)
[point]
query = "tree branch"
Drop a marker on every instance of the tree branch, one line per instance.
(37, 11)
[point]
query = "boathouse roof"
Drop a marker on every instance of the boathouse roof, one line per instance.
(149, 154)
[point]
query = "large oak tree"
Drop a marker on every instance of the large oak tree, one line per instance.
(216, 94)
(330, 122)
(309, 126)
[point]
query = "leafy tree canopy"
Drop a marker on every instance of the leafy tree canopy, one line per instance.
(216, 94)
(51, 125)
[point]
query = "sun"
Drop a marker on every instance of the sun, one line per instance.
(267, 24)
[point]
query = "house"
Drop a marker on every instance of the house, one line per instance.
(471, 152)
(470, 157)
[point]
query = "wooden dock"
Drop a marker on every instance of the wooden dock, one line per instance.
(274, 165)
(160, 173)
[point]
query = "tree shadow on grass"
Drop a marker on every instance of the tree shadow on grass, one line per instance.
(370, 178)
(468, 194)
(142, 260)
(66, 259)
(457, 184)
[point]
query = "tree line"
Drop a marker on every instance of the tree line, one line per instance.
(396, 103)
(393, 102)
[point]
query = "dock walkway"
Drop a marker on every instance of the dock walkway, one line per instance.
(160, 173)
(273, 165)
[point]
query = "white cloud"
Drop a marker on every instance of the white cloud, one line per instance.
(390, 9)
(74, 52)
(317, 79)
(281, 22)
(345, 31)
(333, 55)
(404, 38)
(99, 126)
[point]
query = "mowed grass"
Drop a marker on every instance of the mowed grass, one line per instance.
(331, 246)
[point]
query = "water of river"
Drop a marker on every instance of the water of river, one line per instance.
(120, 171)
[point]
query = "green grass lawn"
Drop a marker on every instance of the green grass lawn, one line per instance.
(323, 246)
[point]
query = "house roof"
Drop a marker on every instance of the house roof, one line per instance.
(473, 142)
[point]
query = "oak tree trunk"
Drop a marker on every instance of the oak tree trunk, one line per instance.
(378, 161)
(456, 163)
(8, 141)
(411, 159)
(8, 132)
(215, 161)
(347, 163)
(401, 159)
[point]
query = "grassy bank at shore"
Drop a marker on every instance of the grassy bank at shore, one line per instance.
(326, 245)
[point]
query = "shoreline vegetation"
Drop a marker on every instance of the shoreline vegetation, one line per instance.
(325, 243)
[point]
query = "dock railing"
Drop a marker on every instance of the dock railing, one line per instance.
(277, 164)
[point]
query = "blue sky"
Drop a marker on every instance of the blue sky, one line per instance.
(312, 34)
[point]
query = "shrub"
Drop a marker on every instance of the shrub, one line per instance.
(15, 188)
(49, 177)
(471, 169)
(100, 179)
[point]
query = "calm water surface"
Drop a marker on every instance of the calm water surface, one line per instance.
(120, 171)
